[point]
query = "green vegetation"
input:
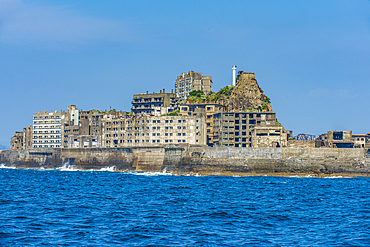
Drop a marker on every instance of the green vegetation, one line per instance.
(174, 113)
(278, 124)
(223, 91)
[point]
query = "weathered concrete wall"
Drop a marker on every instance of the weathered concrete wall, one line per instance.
(203, 160)
(301, 143)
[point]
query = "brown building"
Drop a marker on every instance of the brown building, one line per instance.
(361, 140)
(16, 142)
(154, 104)
(188, 82)
(206, 111)
(272, 137)
(339, 139)
(144, 130)
(234, 129)
(27, 137)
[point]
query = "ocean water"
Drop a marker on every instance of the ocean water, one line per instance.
(102, 208)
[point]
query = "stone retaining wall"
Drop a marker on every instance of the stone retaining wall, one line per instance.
(203, 160)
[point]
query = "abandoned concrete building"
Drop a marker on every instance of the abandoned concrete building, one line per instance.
(22, 139)
(361, 140)
(16, 142)
(154, 104)
(187, 82)
(234, 129)
(272, 137)
(143, 130)
(339, 139)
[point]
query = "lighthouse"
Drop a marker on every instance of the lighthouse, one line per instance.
(234, 75)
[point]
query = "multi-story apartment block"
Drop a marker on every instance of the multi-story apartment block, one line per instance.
(234, 129)
(154, 104)
(203, 110)
(47, 129)
(187, 82)
(70, 125)
(143, 130)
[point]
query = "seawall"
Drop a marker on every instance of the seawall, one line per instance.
(200, 160)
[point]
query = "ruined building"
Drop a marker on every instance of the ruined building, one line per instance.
(154, 104)
(187, 82)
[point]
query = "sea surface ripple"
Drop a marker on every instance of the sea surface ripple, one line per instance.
(61, 208)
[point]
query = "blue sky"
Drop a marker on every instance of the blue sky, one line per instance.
(312, 58)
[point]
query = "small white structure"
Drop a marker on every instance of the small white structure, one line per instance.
(234, 75)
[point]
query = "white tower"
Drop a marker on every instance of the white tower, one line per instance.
(234, 75)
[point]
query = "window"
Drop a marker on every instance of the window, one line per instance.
(338, 135)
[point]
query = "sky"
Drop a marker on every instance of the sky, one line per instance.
(312, 58)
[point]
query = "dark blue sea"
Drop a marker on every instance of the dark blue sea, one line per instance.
(61, 208)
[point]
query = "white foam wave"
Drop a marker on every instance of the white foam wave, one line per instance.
(337, 177)
(67, 167)
(3, 166)
(149, 174)
(108, 169)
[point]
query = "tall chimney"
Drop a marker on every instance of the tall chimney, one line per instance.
(234, 75)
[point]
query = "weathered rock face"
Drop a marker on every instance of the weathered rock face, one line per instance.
(246, 95)
(201, 160)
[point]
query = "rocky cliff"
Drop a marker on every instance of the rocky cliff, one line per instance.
(245, 96)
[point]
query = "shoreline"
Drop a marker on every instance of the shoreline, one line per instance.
(204, 174)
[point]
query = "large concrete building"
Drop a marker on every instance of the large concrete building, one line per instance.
(187, 82)
(206, 111)
(47, 129)
(143, 130)
(234, 129)
(153, 104)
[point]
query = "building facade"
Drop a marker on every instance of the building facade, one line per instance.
(187, 82)
(16, 142)
(272, 137)
(234, 129)
(47, 129)
(143, 130)
(153, 104)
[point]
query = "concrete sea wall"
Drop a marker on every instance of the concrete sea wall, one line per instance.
(201, 160)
